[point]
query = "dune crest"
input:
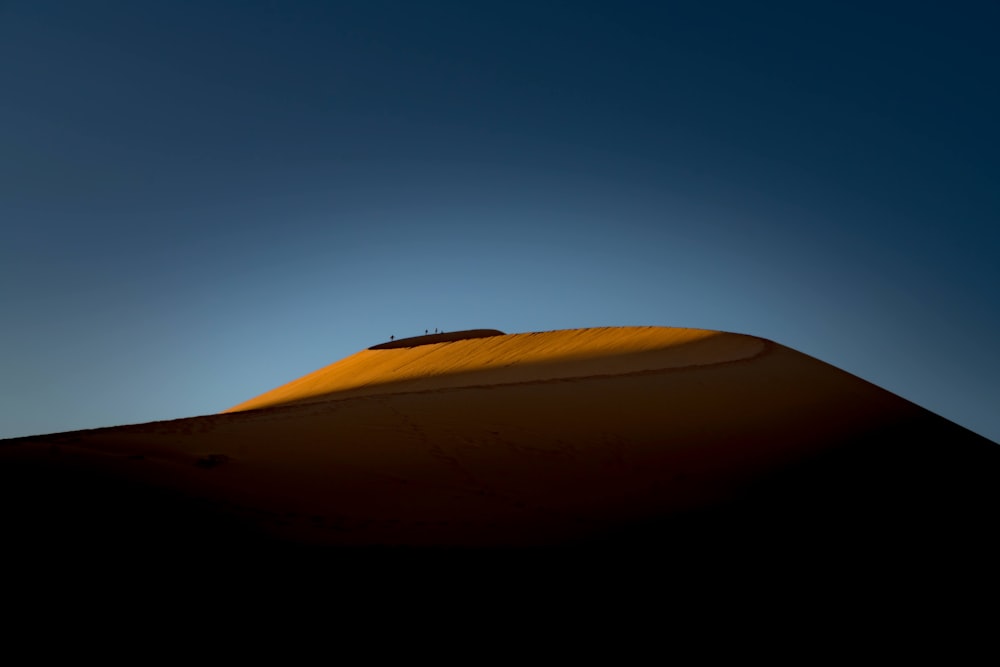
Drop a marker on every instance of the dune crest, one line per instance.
(511, 358)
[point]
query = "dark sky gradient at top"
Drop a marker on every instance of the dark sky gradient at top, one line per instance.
(200, 201)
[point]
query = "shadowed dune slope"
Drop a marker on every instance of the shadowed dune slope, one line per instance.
(443, 337)
(635, 441)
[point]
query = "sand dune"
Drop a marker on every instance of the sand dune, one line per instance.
(615, 437)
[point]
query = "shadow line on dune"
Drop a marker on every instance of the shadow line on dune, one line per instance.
(434, 338)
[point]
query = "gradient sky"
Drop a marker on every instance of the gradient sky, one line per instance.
(200, 201)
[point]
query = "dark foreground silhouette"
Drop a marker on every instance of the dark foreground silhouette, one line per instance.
(914, 505)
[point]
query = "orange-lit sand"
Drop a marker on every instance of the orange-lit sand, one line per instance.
(512, 358)
(554, 438)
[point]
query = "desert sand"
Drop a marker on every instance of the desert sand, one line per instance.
(641, 442)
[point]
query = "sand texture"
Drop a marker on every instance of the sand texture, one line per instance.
(647, 439)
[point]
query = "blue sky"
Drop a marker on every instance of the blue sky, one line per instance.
(200, 201)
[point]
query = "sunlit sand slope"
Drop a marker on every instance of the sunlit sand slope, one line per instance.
(530, 357)
(608, 436)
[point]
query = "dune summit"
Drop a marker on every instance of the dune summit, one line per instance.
(626, 440)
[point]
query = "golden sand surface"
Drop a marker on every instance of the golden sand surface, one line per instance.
(511, 358)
